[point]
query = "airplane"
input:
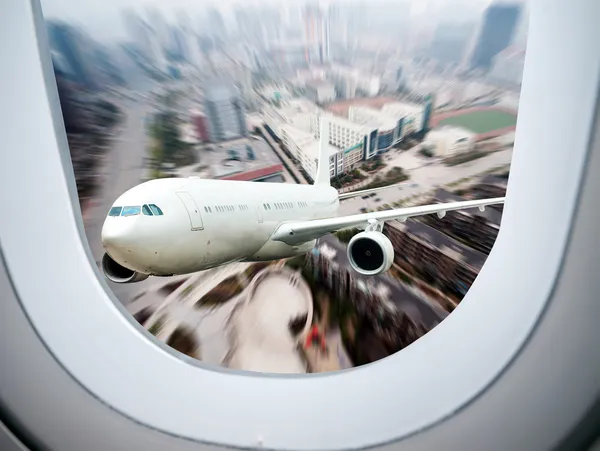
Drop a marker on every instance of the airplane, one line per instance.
(175, 226)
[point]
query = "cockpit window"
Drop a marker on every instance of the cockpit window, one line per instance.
(157, 211)
(146, 210)
(115, 211)
(131, 211)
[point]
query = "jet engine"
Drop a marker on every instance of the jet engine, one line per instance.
(119, 274)
(370, 253)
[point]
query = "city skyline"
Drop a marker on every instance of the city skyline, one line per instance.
(104, 19)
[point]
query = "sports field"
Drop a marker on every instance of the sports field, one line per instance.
(481, 121)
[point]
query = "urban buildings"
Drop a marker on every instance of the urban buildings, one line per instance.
(146, 41)
(476, 229)
(507, 66)
(316, 27)
(72, 54)
(364, 134)
(499, 26)
(224, 111)
(447, 141)
(320, 91)
(351, 82)
(451, 41)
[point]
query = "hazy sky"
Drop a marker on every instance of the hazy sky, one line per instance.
(103, 19)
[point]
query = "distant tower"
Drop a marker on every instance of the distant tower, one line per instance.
(316, 28)
(225, 112)
(499, 25)
(427, 112)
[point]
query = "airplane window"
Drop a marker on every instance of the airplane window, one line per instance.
(441, 132)
(131, 211)
(155, 210)
(115, 211)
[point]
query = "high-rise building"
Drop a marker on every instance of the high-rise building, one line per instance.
(158, 23)
(146, 40)
(225, 112)
(497, 32)
(450, 42)
(316, 28)
(75, 51)
(215, 25)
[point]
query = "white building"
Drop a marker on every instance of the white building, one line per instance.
(348, 136)
(351, 82)
(362, 136)
(412, 114)
(296, 112)
(320, 91)
(390, 127)
(448, 141)
(305, 148)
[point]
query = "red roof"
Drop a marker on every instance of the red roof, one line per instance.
(256, 173)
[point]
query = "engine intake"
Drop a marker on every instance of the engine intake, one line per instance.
(119, 274)
(370, 253)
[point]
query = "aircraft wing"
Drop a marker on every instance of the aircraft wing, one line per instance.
(297, 232)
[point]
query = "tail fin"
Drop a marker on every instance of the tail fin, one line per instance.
(322, 176)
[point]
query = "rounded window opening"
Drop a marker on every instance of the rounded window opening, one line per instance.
(193, 262)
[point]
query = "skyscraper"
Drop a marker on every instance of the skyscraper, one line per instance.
(450, 42)
(145, 39)
(499, 24)
(316, 29)
(225, 112)
(73, 53)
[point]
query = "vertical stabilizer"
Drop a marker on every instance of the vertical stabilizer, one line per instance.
(322, 176)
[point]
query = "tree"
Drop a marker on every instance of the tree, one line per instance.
(183, 340)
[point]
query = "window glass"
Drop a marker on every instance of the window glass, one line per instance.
(157, 211)
(131, 210)
(451, 130)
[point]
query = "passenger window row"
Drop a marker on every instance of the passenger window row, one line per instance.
(133, 210)
(226, 208)
(284, 205)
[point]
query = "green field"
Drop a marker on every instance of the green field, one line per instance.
(481, 121)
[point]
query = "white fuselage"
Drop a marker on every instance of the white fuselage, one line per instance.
(208, 223)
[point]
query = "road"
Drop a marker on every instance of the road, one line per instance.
(282, 155)
(121, 170)
(426, 178)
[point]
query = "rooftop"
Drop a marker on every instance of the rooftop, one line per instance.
(452, 130)
(491, 215)
(342, 108)
(256, 174)
(402, 298)
(444, 243)
(373, 117)
(316, 83)
(215, 91)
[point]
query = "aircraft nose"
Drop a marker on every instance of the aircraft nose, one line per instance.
(116, 235)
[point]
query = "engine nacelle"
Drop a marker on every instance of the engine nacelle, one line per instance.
(119, 274)
(370, 253)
